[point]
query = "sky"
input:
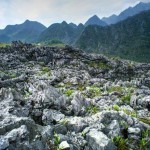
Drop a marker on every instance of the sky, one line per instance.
(52, 11)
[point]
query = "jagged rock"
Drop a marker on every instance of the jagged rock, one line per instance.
(99, 141)
(60, 129)
(64, 145)
(134, 130)
(51, 116)
(44, 90)
(133, 100)
(76, 124)
(144, 102)
(11, 82)
(79, 103)
(113, 129)
(4, 143)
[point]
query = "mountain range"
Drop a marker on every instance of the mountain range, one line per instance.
(128, 39)
(64, 32)
(28, 31)
(126, 35)
(131, 11)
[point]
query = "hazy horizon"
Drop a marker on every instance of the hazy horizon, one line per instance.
(48, 12)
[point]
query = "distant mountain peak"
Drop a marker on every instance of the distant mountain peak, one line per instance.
(95, 16)
(130, 11)
(64, 22)
(95, 20)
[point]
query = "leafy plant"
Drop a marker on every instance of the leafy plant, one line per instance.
(143, 143)
(93, 91)
(26, 93)
(45, 70)
(145, 120)
(130, 113)
(116, 89)
(81, 87)
(68, 92)
(116, 107)
(145, 140)
(124, 124)
(126, 98)
(121, 143)
(92, 109)
(64, 122)
(56, 139)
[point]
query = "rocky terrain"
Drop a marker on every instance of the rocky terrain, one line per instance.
(65, 99)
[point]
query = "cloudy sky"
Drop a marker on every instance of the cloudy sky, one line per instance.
(50, 11)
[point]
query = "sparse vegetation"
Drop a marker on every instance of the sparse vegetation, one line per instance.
(4, 45)
(116, 107)
(93, 91)
(121, 143)
(145, 120)
(56, 139)
(126, 98)
(99, 65)
(68, 92)
(145, 140)
(45, 70)
(130, 113)
(92, 109)
(116, 89)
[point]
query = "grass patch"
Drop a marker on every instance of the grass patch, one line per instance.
(116, 107)
(145, 120)
(99, 65)
(4, 45)
(92, 109)
(121, 143)
(126, 98)
(68, 92)
(93, 91)
(130, 113)
(116, 89)
(45, 70)
(56, 139)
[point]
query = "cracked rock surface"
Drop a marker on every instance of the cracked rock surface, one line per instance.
(65, 99)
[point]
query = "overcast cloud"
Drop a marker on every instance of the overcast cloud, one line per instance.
(50, 11)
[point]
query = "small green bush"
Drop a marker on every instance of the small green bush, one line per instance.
(45, 70)
(116, 89)
(121, 143)
(92, 109)
(56, 139)
(116, 107)
(126, 98)
(68, 92)
(130, 113)
(93, 91)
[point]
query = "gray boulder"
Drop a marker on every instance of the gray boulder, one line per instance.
(97, 140)
(51, 116)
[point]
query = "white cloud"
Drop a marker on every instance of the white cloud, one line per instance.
(50, 11)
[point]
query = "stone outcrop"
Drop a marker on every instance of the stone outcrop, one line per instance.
(63, 98)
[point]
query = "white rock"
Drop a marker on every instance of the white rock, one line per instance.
(4, 143)
(99, 141)
(64, 145)
(134, 130)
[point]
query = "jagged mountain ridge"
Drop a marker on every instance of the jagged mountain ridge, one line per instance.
(131, 11)
(67, 33)
(129, 39)
(26, 32)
